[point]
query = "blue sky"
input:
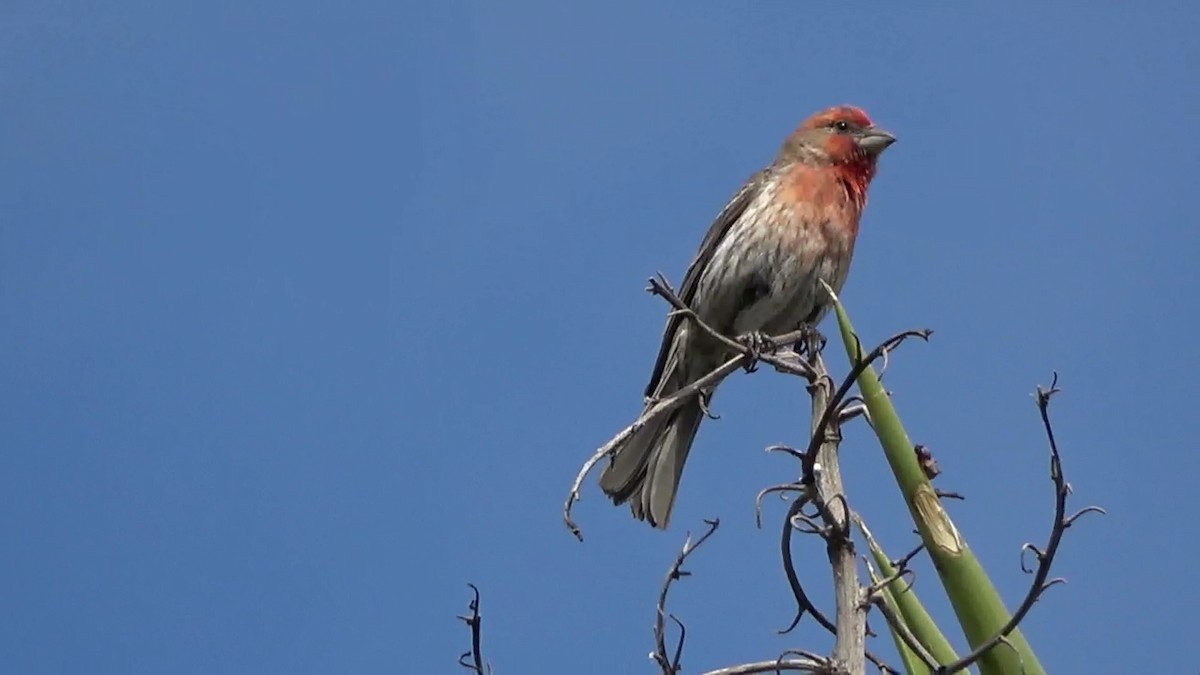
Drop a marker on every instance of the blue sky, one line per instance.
(308, 317)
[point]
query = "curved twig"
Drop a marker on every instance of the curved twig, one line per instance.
(476, 623)
(803, 603)
(781, 489)
(670, 665)
(787, 449)
(807, 664)
(1045, 559)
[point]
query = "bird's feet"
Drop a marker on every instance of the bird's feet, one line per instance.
(812, 343)
(758, 343)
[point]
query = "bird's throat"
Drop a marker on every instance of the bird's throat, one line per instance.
(855, 178)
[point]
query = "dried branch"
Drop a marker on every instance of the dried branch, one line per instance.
(830, 496)
(653, 412)
(881, 666)
(900, 573)
(475, 621)
(670, 666)
(782, 490)
(1039, 585)
(807, 663)
(849, 411)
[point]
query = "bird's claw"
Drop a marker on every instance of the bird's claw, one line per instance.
(813, 342)
(758, 343)
(703, 399)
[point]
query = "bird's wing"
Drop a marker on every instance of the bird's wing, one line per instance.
(687, 292)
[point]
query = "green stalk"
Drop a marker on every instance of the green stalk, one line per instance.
(909, 606)
(913, 665)
(980, 611)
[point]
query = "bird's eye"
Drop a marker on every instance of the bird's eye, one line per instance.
(841, 125)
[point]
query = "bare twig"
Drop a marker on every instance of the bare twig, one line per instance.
(876, 595)
(670, 665)
(849, 411)
(831, 408)
(900, 573)
(652, 412)
(901, 563)
(782, 490)
(1045, 559)
(881, 666)
(475, 621)
(808, 663)
(787, 450)
(906, 635)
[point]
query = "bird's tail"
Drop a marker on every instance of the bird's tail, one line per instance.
(646, 469)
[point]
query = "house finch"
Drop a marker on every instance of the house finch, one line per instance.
(757, 272)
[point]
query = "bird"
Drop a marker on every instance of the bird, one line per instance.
(758, 272)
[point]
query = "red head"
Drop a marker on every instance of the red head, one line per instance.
(842, 135)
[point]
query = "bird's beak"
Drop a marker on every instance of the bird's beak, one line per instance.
(874, 141)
